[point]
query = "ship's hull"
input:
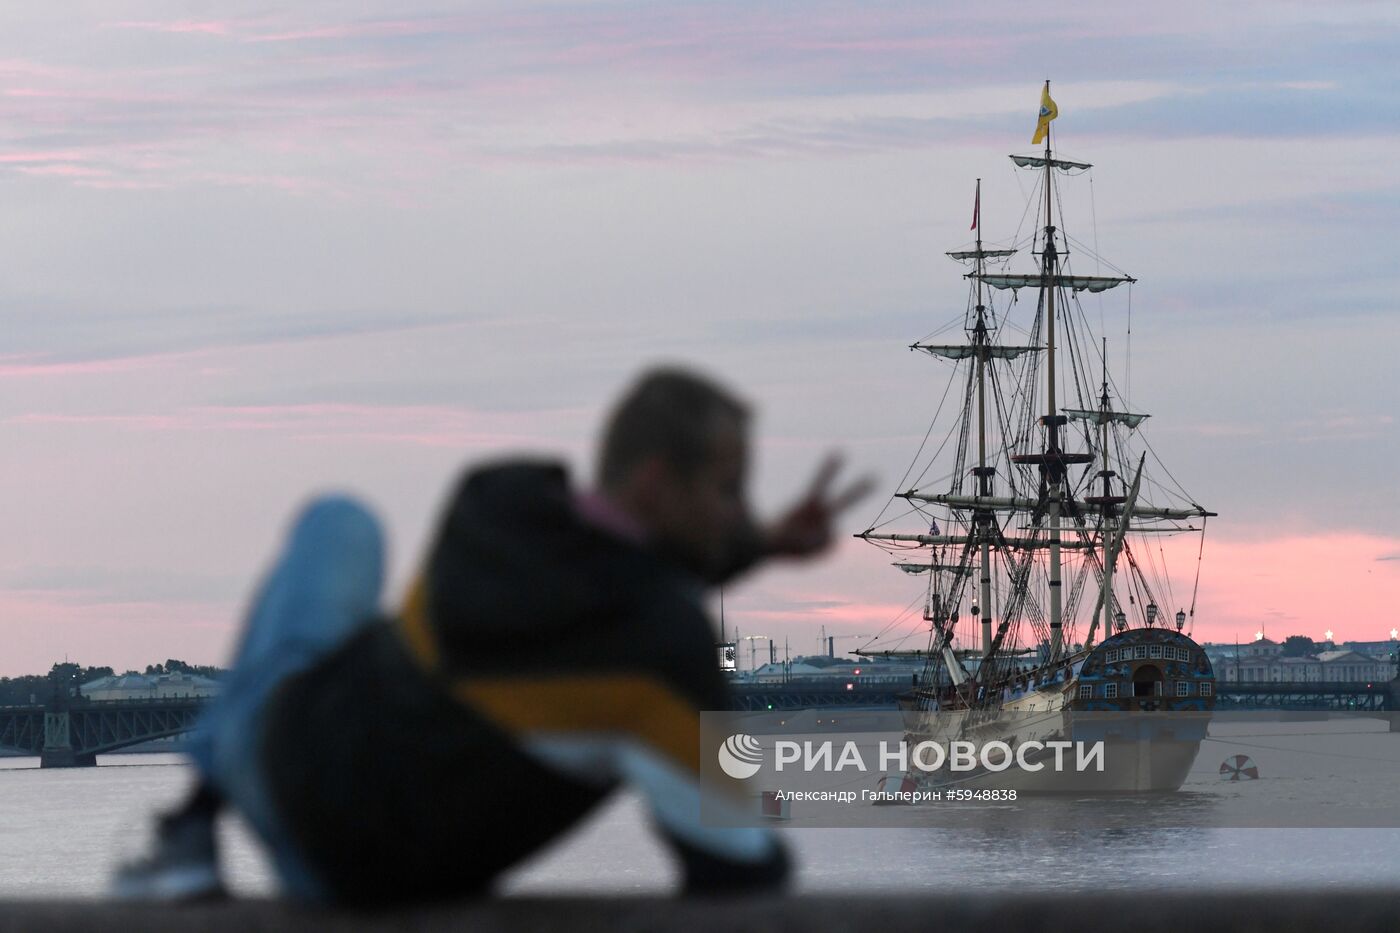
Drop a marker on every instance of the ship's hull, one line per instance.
(1145, 748)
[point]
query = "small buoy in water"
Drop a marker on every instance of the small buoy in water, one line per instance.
(774, 807)
(1238, 768)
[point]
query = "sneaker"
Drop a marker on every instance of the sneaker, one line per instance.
(184, 865)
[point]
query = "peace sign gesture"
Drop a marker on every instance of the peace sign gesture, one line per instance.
(805, 529)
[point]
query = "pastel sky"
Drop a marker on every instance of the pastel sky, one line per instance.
(249, 254)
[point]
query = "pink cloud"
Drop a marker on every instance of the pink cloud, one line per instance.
(397, 425)
(207, 27)
(268, 30)
(32, 365)
(29, 367)
(883, 44)
(356, 101)
(25, 67)
(123, 184)
(868, 617)
(66, 155)
(64, 170)
(447, 439)
(143, 422)
(372, 29)
(200, 27)
(412, 425)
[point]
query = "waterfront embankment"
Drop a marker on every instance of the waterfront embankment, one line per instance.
(1149, 912)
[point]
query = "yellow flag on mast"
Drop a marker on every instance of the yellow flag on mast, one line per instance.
(1048, 112)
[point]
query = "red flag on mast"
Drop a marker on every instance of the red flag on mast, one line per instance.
(976, 206)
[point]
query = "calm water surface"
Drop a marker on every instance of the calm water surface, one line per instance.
(63, 831)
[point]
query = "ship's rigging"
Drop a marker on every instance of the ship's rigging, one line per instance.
(1038, 519)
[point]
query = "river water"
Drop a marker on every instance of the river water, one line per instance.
(63, 831)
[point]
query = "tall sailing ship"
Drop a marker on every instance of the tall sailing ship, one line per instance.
(1042, 516)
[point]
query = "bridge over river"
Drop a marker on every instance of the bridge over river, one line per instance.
(67, 733)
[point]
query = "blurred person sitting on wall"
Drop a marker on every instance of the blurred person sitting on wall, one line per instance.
(553, 648)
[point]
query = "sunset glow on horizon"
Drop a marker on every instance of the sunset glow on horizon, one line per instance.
(254, 255)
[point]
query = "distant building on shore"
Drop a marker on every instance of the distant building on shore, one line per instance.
(1263, 661)
(149, 687)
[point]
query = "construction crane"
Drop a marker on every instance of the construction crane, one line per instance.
(828, 642)
(752, 648)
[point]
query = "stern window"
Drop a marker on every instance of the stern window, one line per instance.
(1086, 691)
(1183, 688)
(1110, 691)
(1205, 689)
(1155, 651)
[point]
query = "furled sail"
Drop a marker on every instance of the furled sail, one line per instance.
(1029, 543)
(1039, 162)
(981, 253)
(1026, 504)
(963, 351)
(1105, 417)
(1080, 283)
(912, 567)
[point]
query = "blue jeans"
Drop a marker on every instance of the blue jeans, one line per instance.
(323, 588)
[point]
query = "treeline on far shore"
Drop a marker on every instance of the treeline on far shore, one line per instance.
(37, 688)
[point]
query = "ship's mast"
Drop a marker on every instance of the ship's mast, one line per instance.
(1110, 554)
(1112, 544)
(1053, 467)
(984, 478)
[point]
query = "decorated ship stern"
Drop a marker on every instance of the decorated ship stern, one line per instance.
(1145, 670)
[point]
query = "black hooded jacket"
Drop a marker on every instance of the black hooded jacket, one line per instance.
(537, 661)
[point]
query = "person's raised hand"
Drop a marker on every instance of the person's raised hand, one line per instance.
(805, 529)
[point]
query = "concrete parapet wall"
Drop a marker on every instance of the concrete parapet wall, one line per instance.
(1151, 911)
